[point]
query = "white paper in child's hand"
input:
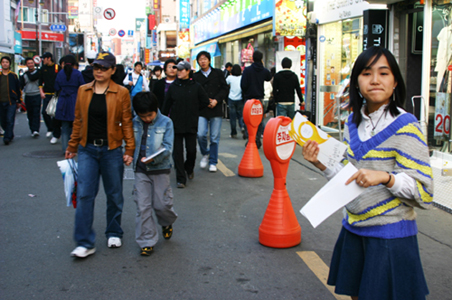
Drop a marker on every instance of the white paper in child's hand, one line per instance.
(332, 196)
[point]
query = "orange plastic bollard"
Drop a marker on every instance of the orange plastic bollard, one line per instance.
(279, 227)
(251, 164)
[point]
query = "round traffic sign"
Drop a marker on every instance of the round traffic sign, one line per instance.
(97, 10)
(109, 13)
(121, 33)
(112, 32)
(37, 59)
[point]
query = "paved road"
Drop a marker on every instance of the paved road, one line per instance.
(214, 253)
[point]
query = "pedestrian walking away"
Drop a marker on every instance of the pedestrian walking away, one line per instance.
(10, 98)
(103, 120)
(285, 83)
(377, 254)
(67, 84)
(49, 71)
(183, 102)
(153, 193)
(30, 86)
(210, 118)
(252, 85)
(235, 100)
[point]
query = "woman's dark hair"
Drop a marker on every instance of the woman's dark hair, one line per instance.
(145, 102)
(273, 71)
(119, 75)
(366, 60)
(69, 62)
(167, 62)
(236, 70)
(203, 53)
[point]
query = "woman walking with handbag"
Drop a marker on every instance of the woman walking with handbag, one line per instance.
(103, 119)
(66, 87)
(377, 254)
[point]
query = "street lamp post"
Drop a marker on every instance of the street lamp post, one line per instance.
(38, 25)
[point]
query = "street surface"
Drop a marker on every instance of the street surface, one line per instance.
(214, 252)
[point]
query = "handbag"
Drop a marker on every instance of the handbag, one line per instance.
(51, 107)
(247, 54)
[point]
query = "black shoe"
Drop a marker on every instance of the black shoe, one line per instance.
(147, 251)
(180, 185)
(191, 175)
(167, 232)
(6, 143)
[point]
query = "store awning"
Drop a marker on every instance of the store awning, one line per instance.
(212, 48)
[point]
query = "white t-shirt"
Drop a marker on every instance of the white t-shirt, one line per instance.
(135, 77)
(235, 92)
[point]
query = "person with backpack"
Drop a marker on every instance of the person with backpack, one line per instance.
(135, 81)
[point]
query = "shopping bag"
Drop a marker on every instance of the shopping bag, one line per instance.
(247, 54)
(51, 107)
(68, 169)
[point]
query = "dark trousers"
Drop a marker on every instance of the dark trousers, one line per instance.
(7, 117)
(184, 167)
(236, 114)
(47, 119)
(33, 104)
(56, 125)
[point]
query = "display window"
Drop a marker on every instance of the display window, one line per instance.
(340, 43)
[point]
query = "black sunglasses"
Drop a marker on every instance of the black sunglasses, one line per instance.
(99, 67)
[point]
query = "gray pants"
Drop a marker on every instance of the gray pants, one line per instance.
(152, 193)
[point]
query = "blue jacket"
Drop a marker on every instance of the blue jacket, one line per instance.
(65, 110)
(15, 93)
(160, 134)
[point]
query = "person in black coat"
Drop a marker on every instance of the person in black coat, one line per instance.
(214, 83)
(184, 100)
(284, 85)
(161, 86)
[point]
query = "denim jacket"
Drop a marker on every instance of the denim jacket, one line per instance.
(160, 134)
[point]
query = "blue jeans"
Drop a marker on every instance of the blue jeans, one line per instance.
(7, 118)
(47, 119)
(94, 161)
(33, 104)
(285, 110)
(236, 112)
(66, 131)
(215, 130)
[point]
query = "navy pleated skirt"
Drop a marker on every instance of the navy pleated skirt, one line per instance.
(377, 269)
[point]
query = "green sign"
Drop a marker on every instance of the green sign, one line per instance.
(139, 22)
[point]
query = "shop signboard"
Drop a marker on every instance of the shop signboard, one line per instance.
(138, 23)
(184, 15)
(335, 10)
(289, 18)
(442, 116)
(73, 12)
(17, 42)
(375, 28)
(230, 16)
(45, 36)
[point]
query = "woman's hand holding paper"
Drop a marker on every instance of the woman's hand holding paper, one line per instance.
(310, 152)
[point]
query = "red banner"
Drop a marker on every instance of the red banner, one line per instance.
(45, 36)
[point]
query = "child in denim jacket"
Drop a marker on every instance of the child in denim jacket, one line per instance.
(153, 131)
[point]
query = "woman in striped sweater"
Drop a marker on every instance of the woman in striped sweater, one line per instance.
(377, 253)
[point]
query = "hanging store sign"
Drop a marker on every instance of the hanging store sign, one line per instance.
(45, 36)
(328, 11)
(375, 28)
(289, 18)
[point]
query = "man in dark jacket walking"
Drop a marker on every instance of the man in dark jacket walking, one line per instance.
(214, 83)
(284, 85)
(252, 85)
(49, 71)
(183, 102)
(161, 86)
(10, 95)
(30, 85)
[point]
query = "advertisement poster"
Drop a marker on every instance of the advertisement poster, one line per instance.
(298, 44)
(289, 18)
(442, 116)
(76, 45)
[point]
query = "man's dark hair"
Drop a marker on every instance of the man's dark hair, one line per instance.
(145, 102)
(138, 63)
(286, 63)
(236, 70)
(227, 65)
(7, 58)
(167, 62)
(257, 56)
(90, 60)
(27, 59)
(157, 68)
(178, 60)
(203, 53)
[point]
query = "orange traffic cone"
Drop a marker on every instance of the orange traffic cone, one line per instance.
(251, 164)
(279, 227)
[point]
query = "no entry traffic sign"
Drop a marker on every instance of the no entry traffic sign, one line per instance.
(37, 59)
(121, 33)
(112, 32)
(109, 13)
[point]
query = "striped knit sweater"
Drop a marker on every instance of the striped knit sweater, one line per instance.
(400, 147)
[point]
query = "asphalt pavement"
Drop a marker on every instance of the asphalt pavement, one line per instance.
(214, 252)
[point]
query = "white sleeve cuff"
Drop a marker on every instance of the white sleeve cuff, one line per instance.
(404, 186)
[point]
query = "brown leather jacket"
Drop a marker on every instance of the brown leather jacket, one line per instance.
(119, 118)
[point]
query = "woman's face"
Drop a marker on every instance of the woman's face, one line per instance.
(102, 74)
(377, 83)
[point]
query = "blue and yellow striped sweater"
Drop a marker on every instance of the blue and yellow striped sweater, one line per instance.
(400, 147)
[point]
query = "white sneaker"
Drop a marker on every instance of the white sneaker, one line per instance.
(49, 134)
(204, 161)
(114, 242)
(82, 252)
(212, 168)
(54, 140)
(35, 134)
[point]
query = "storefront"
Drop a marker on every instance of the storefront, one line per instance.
(48, 39)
